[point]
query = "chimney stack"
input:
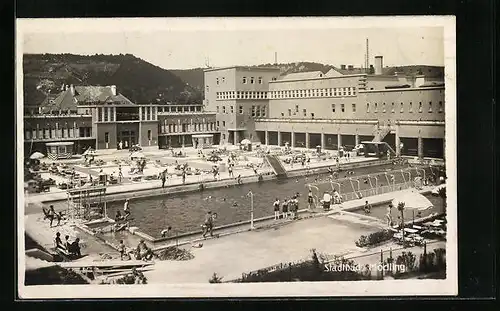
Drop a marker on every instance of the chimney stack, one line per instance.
(379, 65)
(342, 67)
(113, 90)
(72, 89)
(350, 67)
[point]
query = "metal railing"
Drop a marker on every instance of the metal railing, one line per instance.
(375, 191)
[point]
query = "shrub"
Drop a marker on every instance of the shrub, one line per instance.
(433, 262)
(215, 279)
(175, 253)
(374, 238)
(407, 259)
(135, 277)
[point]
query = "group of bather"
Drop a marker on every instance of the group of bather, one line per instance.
(72, 249)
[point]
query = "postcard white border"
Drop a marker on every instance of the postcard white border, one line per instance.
(298, 289)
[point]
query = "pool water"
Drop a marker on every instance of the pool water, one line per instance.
(185, 212)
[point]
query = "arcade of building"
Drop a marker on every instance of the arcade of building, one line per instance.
(306, 109)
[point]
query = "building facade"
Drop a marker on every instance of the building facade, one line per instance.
(99, 117)
(328, 109)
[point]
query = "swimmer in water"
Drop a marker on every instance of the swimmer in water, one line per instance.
(235, 204)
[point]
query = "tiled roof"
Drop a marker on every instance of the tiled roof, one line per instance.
(86, 95)
(64, 101)
(92, 93)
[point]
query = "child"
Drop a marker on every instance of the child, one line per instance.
(284, 208)
(122, 249)
(368, 208)
(310, 199)
(276, 206)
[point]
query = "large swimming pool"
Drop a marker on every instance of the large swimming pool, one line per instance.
(186, 212)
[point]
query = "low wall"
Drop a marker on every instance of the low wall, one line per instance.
(344, 167)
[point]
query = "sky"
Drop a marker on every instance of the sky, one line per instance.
(184, 47)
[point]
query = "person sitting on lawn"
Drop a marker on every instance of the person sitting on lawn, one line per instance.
(143, 252)
(58, 242)
(67, 244)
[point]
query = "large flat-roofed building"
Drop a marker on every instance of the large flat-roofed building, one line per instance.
(329, 109)
(99, 117)
(238, 95)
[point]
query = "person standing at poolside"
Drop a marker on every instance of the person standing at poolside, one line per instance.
(276, 206)
(284, 208)
(126, 208)
(120, 173)
(326, 200)
(163, 179)
(122, 249)
(208, 225)
(295, 207)
(310, 199)
(388, 215)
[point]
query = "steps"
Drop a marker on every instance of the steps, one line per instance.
(277, 166)
(379, 135)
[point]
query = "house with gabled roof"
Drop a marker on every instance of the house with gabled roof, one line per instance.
(102, 118)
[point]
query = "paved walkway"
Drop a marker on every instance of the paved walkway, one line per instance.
(56, 194)
(233, 255)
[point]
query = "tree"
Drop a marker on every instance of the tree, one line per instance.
(215, 278)
(401, 209)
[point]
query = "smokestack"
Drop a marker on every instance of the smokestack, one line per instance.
(367, 59)
(276, 58)
(379, 65)
(113, 90)
(342, 67)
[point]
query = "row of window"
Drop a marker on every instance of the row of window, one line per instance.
(110, 114)
(190, 108)
(420, 108)
(245, 80)
(255, 111)
(148, 113)
(49, 133)
(106, 114)
(330, 92)
(242, 95)
(187, 127)
(375, 110)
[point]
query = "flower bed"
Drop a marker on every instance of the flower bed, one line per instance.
(374, 238)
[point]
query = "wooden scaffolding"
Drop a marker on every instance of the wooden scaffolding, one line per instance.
(86, 204)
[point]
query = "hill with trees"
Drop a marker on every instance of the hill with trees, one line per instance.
(138, 80)
(143, 82)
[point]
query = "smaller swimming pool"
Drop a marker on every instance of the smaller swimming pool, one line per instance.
(379, 210)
